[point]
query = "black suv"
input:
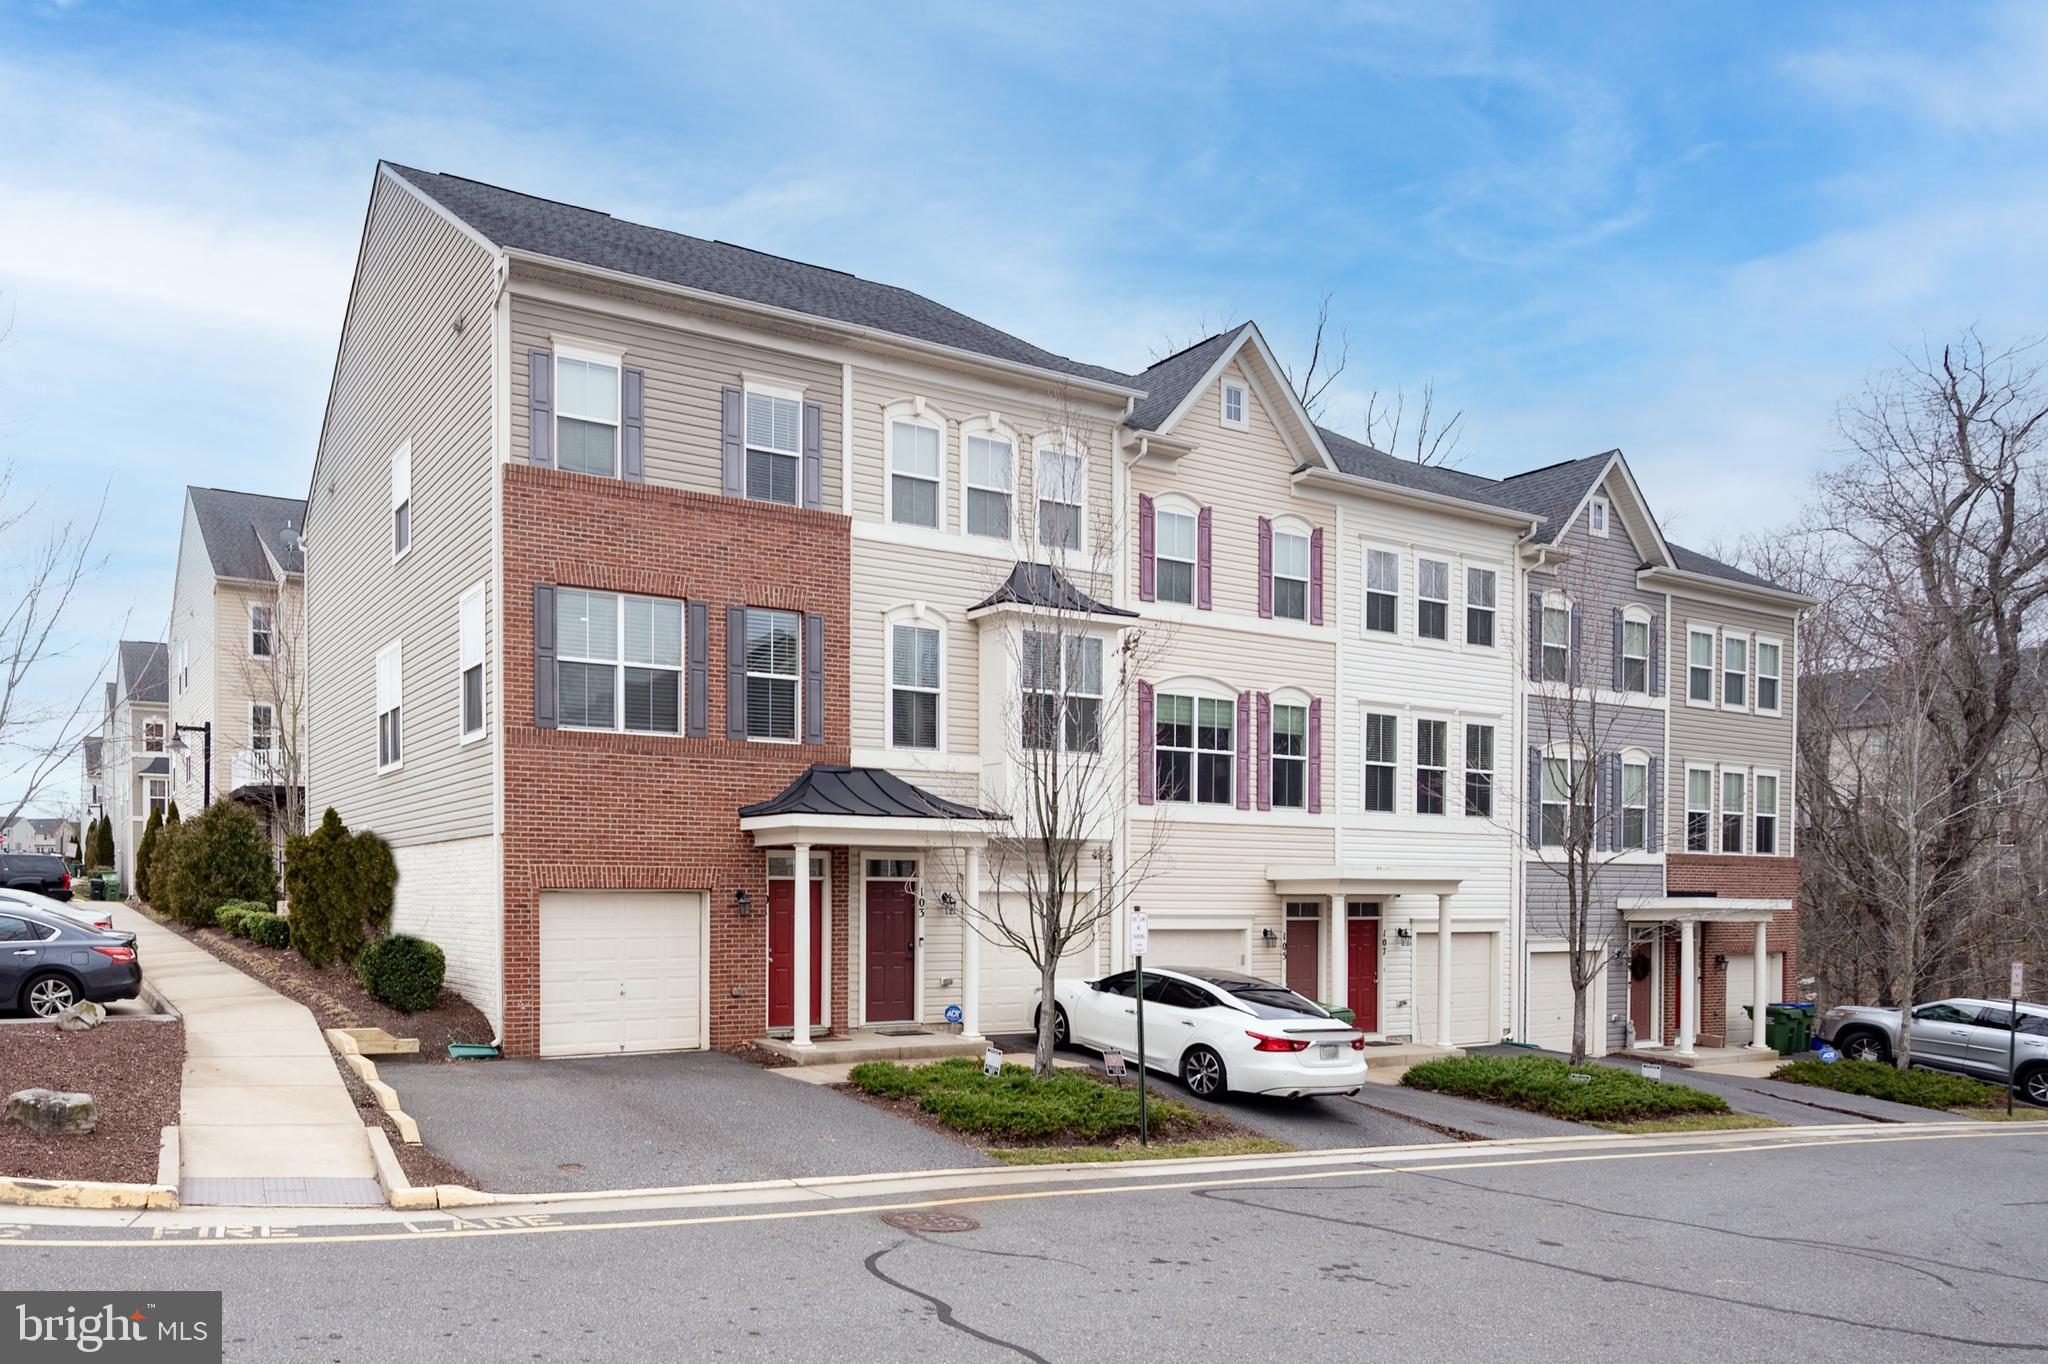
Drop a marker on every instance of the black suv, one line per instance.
(43, 873)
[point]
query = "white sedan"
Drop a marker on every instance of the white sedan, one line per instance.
(1220, 1031)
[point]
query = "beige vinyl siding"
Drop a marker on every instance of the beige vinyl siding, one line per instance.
(1211, 874)
(403, 372)
(888, 579)
(685, 373)
(192, 627)
(1726, 738)
(239, 679)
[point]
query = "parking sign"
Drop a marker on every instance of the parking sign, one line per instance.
(2019, 979)
(1139, 933)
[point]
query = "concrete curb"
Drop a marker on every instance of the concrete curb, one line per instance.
(405, 1195)
(157, 1001)
(366, 1071)
(161, 1196)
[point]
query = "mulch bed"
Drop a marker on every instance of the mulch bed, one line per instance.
(1207, 1127)
(760, 1056)
(420, 1164)
(133, 1069)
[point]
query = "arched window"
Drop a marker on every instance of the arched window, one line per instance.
(917, 463)
(988, 460)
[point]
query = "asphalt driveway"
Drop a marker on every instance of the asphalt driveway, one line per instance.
(636, 1122)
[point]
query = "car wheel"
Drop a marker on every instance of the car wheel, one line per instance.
(2034, 1085)
(1201, 1070)
(1865, 1046)
(1062, 1035)
(48, 996)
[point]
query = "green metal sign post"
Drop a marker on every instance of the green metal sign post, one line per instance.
(1140, 940)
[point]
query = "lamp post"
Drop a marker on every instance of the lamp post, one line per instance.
(178, 745)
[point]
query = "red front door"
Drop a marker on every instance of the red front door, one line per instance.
(782, 954)
(1363, 977)
(1304, 955)
(1639, 983)
(891, 951)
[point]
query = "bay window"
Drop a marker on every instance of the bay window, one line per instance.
(1061, 679)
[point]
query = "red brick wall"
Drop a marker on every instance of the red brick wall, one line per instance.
(590, 811)
(1730, 877)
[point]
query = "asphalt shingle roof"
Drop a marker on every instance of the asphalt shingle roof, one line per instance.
(868, 792)
(1045, 587)
(1692, 561)
(1169, 381)
(237, 527)
(146, 665)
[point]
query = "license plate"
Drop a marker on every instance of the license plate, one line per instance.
(1326, 1051)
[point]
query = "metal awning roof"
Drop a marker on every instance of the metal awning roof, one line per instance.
(1361, 880)
(835, 804)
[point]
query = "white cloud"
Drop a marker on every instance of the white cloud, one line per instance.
(1993, 84)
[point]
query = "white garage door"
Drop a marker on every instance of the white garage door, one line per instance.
(620, 971)
(1550, 1000)
(1008, 979)
(1475, 983)
(1741, 980)
(1218, 947)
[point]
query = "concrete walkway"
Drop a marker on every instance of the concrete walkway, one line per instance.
(265, 1118)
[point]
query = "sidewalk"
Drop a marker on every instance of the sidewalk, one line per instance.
(265, 1118)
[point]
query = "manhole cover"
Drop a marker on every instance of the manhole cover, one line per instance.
(927, 1219)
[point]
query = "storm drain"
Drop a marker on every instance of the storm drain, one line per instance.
(929, 1220)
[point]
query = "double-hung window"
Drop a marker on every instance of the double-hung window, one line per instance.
(1234, 412)
(1699, 808)
(774, 439)
(1557, 643)
(1290, 757)
(1635, 804)
(1766, 843)
(1769, 671)
(1432, 764)
(159, 796)
(1699, 667)
(469, 612)
(1734, 810)
(991, 481)
(1290, 575)
(1062, 685)
(390, 707)
(1194, 752)
(262, 726)
(913, 686)
(401, 500)
(1382, 749)
(152, 736)
(1479, 606)
(772, 677)
(586, 416)
(619, 661)
(1635, 654)
(1061, 488)
(1382, 591)
(913, 474)
(1215, 750)
(1479, 770)
(260, 641)
(1559, 792)
(1432, 599)
(1734, 671)
(1174, 551)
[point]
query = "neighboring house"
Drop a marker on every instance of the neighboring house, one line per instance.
(236, 653)
(92, 786)
(656, 587)
(37, 834)
(134, 741)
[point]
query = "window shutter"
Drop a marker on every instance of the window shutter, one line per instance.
(1202, 557)
(1315, 756)
(1265, 569)
(1602, 793)
(1263, 777)
(544, 709)
(697, 657)
(1614, 661)
(1651, 822)
(1244, 750)
(735, 667)
(1315, 576)
(1658, 663)
(1533, 785)
(540, 409)
(633, 426)
(1148, 550)
(1146, 776)
(1577, 636)
(814, 679)
(814, 463)
(1535, 629)
(735, 455)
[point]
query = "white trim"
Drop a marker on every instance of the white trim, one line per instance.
(821, 880)
(1415, 768)
(1635, 613)
(1368, 710)
(395, 651)
(1070, 445)
(1366, 549)
(1721, 776)
(400, 477)
(1756, 645)
(1599, 517)
(1687, 809)
(796, 733)
(1448, 599)
(1176, 505)
(1707, 632)
(589, 353)
(475, 592)
(778, 393)
(916, 616)
(1296, 528)
(1249, 333)
(255, 706)
(988, 427)
(774, 387)
(1777, 814)
(248, 638)
(618, 662)
(1728, 637)
(1243, 420)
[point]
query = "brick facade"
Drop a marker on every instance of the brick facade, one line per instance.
(589, 811)
(1730, 877)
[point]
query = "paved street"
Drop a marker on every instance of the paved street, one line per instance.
(1894, 1244)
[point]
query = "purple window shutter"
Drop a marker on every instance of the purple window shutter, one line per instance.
(540, 409)
(1146, 776)
(1202, 557)
(1315, 576)
(1535, 628)
(1657, 660)
(545, 711)
(1148, 550)
(1264, 776)
(731, 403)
(814, 457)
(633, 426)
(1315, 756)
(1244, 750)
(1265, 569)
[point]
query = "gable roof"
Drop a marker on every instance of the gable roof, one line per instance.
(1553, 492)
(1692, 561)
(544, 227)
(1168, 383)
(145, 665)
(239, 528)
(1043, 586)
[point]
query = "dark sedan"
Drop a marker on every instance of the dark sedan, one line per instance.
(49, 962)
(43, 873)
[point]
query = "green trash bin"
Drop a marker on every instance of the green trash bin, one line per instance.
(1788, 1028)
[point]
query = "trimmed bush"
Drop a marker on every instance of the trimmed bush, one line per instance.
(267, 930)
(145, 853)
(1544, 1084)
(1881, 1080)
(403, 971)
(342, 889)
(233, 908)
(1072, 1105)
(372, 881)
(222, 855)
(156, 871)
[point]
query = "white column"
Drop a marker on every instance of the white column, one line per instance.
(1443, 970)
(970, 947)
(1340, 952)
(1757, 994)
(1687, 985)
(800, 970)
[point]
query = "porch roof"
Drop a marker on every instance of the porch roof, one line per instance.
(831, 803)
(1662, 909)
(1334, 879)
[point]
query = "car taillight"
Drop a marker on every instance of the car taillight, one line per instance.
(1358, 1044)
(1266, 1043)
(66, 883)
(116, 953)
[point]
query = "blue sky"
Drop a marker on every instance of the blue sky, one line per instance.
(1688, 231)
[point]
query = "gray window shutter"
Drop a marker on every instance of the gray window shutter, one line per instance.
(814, 679)
(1651, 822)
(1603, 794)
(1657, 660)
(732, 404)
(735, 668)
(545, 714)
(1577, 641)
(1535, 628)
(1533, 784)
(540, 409)
(1617, 649)
(697, 656)
(814, 458)
(633, 426)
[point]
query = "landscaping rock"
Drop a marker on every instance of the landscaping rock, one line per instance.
(81, 1016)
(53, 1111)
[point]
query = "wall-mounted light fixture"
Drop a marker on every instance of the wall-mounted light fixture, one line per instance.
(1404, 934)
(743, 903)
(1720, 961)
(1268, 936)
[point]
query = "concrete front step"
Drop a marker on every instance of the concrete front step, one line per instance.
(860, 1046)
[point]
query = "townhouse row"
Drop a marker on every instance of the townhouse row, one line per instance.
(656, 587)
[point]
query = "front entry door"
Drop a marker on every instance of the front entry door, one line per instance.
(1304, 953)
(891, 951)
(782, 954)
(1642, 968)
(1363, 973)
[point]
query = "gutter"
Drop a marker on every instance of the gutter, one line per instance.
(1686, 578)
(1337, 481)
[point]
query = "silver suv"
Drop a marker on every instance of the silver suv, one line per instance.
(1968, 1036)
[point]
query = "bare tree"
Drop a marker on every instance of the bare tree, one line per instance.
(1327, 357)
(1434, 441)
(278, 680)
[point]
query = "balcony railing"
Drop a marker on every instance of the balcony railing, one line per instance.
(257, 767)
